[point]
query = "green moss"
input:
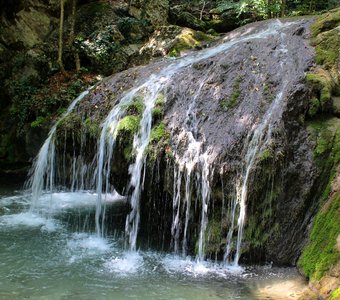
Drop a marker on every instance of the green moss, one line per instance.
(39, 121)
(213, 237)
(136, 107)
(92, 127)
(157, 133)
(326, 135)
(326, 22)
(321, 253)
(259, 227)
(314, 107)
(129, 125)
(266, 155)
(127, 152)
(71, 122)
(189, 39)
(321, 84)
(158, 111)
(335, 294)
(232, 102)
(125, 131)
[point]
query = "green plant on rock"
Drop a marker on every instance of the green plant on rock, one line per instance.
(158, 133)
(266, 155)
(232, 102)
(214, 237)
(158, 110)
(128, 126)
(189, 39)
(92, 127)
(136, 107)
(39, 121)
(321, 84)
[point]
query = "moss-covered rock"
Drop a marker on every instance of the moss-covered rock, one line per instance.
(128, 126)
(181, 17)
(324, 80)
(154, 11)
(189, 39)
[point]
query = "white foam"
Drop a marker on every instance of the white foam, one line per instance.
(17, 199)
(69, 200)
(84, 241)
(176, 264)
(29, 219)
(128, 264)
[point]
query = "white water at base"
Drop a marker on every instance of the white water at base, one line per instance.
(40, 264)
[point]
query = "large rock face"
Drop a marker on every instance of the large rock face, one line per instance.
(228, 133)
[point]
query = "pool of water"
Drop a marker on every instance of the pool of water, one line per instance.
(55, 254)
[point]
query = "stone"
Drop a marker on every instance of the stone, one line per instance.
(154, 11)
(31, 27)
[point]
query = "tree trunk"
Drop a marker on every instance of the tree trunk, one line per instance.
(201, 13)
(60, 48)
(269, 8)
(283, 8)
(71, 37)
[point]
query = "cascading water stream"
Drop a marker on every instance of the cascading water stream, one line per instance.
(43, 170)
(257, 140)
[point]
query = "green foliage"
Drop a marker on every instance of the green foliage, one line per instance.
(39, 121)
(321, 253)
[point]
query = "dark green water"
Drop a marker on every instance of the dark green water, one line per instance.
(42, 256)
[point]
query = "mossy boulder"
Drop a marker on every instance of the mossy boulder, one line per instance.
(180, 16)
(156, 12)
(173, 40)
(321, 84)
(30, 28)
(324, 80)
(189, 39)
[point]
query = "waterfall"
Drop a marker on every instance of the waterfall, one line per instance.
(192, 158)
